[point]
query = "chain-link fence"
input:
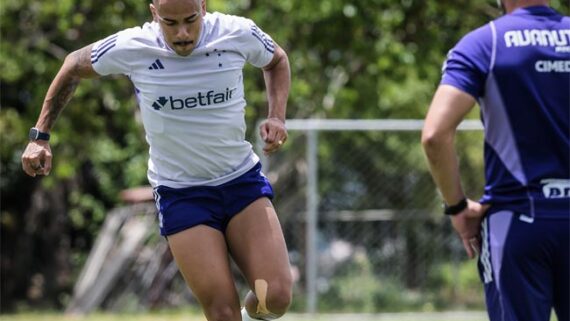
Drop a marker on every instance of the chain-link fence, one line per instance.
(361, 217)
(363, 220)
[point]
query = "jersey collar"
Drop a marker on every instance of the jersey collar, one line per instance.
(535, 10)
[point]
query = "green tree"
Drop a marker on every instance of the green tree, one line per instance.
(349, 59)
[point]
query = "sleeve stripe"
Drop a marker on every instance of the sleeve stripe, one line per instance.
(266, 41)
(263, 38)
(94, 60)
(110, 38)
(107, 41)
(269, 48)
(102, 48)
(494, 50)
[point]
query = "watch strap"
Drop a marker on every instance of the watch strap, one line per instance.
(36, 134)
(455, 209)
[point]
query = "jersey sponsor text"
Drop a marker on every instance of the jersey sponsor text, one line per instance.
(201, 99)
(556, 188)
(537, 37)
(553, 66)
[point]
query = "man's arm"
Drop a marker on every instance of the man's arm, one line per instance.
(448, 108)
(277, 82)
(36, 159)
(77, 65)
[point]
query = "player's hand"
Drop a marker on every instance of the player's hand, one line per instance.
(468, 225)
(36, 159)
(274, 134)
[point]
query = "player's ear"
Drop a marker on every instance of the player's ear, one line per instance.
(153, 12)
(203, 5)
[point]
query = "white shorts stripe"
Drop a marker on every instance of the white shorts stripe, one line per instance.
(485, 257)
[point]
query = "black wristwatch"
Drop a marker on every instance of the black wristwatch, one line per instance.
(36, 134)
(455, 209)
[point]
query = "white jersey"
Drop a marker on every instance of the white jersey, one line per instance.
(192, 107)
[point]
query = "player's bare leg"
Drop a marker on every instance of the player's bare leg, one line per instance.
(258, 247)
(202, 257)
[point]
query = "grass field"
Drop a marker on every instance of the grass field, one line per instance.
(194, 316)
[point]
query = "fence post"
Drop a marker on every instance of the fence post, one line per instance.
(311, 266)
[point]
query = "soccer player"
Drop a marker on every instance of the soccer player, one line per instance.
(213, 200)
(517, 68)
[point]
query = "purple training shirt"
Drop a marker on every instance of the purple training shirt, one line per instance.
(518, 68)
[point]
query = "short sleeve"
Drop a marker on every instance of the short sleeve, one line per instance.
(467, 64)
(256, 45)
(108, 56)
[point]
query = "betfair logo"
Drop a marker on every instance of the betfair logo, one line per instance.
(201, 99)
(161, 102)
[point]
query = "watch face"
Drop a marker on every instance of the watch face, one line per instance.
(33, 135)
(36, 134)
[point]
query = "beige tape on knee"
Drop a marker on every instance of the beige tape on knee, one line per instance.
(261, 287)
(261, 294)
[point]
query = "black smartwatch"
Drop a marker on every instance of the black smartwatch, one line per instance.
(36, 134)
(455, 209)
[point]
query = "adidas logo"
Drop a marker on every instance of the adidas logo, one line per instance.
(156, 65)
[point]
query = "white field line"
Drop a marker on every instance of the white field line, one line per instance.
(406, 316)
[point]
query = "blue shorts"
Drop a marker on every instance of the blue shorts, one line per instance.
(524, 266)
(214, 206)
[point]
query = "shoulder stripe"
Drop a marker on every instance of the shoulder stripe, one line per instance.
(262, 37)
(103, 48)
(266, 41)
(109, 39)
(494, 50)
(104, 43)
(95, 59)
(269, 48)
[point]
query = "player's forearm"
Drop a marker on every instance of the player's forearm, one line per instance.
(59, 94)
(75, 67)
(444, 166)
(278, 82)
(448, 108)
